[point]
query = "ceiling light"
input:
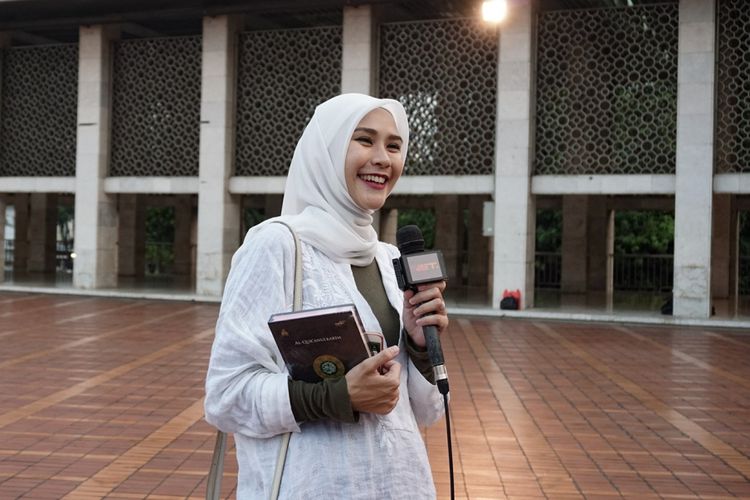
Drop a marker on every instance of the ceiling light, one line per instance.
(494, 11)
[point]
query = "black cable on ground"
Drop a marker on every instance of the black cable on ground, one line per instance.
(450, 445)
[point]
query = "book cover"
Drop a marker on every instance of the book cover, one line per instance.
(322, 343)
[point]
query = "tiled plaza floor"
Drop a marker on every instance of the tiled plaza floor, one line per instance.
(101, 398)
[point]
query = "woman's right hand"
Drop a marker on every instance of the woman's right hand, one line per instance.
(373, 384)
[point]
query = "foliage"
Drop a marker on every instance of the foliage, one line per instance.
(64, 222)
(159, 257)
(644, 232)
(252, 217)
(636, 232)
(549, 230)
(422, 218)
(160, 224)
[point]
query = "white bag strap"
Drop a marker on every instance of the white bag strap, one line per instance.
(281, 459)
(213, 485)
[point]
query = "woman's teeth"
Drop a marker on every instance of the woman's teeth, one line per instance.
(373, 178)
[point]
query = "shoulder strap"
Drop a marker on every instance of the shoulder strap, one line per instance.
(213, 485)
(297, 267)
(281, 459)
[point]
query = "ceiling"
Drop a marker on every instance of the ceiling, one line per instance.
(33, 22)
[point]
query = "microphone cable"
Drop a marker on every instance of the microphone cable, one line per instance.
(450, 444)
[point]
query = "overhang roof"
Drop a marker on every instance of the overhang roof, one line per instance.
(54, 21)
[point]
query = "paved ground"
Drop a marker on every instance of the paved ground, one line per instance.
(102, 398)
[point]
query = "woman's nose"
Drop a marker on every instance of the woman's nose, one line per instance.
(380, 156)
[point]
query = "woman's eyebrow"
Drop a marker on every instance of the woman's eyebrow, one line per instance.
(375, 132)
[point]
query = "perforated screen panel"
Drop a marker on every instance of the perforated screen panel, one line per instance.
(445, 73)
(607, 91)
(156, 107)
(733, 88)
(282, 77)
(39, 110)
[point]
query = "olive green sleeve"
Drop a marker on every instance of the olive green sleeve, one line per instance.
(420, 358)
(316, 401)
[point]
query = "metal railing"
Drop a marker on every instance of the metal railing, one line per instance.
(547, 270)
(159, 257)
(8, 258)
(63, 251)
(63, 259)
(644, 272)
(631, 272)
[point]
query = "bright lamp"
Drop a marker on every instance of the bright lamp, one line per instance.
(494, 11)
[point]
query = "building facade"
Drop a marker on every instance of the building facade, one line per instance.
(583, 106)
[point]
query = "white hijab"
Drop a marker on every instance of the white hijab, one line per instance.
(317, 203)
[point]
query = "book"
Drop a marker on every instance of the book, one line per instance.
(323, 343)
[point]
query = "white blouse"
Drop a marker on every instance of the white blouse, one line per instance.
(381, 456)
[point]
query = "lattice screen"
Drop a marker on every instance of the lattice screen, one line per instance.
(445, 74)
(39, 111)
(156, 107)
(733, 88)
(283, 76)
(607, 91)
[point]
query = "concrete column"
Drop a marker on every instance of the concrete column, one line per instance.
(389, 225)
(359, 59)
(515, 212)
(131, 228)
(597, 244)
(183, 215)
(359, 50)
(43, 233)
(478, 252)
(574, 272)
(193, 247)
(218, 211)
(95, 265)
(734, 259)
(21, 238)
(694, 179)
(610, 283)
(2, 238)
(126, 234)
(446, 231)
(721, 246)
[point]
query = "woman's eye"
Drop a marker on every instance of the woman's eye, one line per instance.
(364, 140)
(394, 147)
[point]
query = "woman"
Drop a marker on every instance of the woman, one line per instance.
(356, 437)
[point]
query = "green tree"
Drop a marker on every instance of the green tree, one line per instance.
(549, 230)
(422, 218)
(64, 218)
(160, 222)
(644, 232)
(252, 217)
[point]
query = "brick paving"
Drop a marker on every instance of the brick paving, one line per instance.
(102, 398)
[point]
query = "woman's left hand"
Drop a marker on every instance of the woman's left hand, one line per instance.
(426, 307)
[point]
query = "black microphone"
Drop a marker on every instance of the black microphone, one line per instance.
(415, 267)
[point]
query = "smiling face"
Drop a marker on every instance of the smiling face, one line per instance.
(374, 160)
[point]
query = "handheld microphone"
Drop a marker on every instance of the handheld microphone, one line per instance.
(415, 267)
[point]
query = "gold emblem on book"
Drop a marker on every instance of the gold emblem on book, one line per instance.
(327, 366)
